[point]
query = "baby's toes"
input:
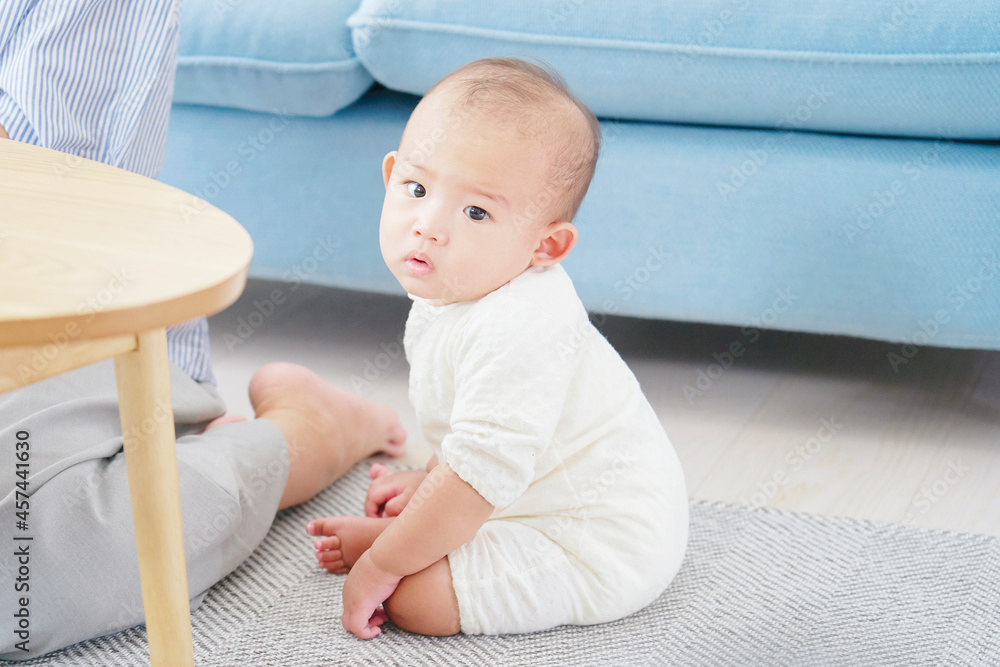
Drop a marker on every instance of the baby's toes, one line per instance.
(335, 568)
(330, 557)
(325, 526)
(332, 561)
(327, 543)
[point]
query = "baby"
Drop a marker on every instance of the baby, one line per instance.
(553, 496)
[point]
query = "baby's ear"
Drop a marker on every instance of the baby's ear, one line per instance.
(559, 239)
(388, 162)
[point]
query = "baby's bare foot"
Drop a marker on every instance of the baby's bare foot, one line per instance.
(342, 539)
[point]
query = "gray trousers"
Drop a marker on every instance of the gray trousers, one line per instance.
(68, 563)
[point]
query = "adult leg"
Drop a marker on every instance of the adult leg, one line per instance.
(327, 430)
(83, 570)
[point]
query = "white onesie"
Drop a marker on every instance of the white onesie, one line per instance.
(528, 403)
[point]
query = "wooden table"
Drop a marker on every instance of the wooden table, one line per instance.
(96, 262)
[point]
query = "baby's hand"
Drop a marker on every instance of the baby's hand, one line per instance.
(390, 491)
(365, 588)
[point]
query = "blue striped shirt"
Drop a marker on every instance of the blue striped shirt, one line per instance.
(94, 78)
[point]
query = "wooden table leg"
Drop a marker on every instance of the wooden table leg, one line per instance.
(148, 425)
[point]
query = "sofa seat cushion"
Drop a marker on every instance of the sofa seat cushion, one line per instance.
(880, 238)
(886, 67)
(292, 58)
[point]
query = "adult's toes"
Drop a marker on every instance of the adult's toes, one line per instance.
(222, 421)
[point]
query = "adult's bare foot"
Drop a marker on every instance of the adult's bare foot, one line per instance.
(342, 539)
(223, 420)
(327, 430)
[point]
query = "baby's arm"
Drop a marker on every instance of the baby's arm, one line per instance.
(447, 515)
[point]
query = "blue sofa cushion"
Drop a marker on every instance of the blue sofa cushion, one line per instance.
(893, 239)
(885, 67)
(291, 58)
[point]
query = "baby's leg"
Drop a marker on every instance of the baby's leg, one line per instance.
(327, 430)
(342, 539)
(424, 602)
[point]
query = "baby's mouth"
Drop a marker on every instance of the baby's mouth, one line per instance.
(418, 264)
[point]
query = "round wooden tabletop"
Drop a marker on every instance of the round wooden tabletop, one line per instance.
(89, 251)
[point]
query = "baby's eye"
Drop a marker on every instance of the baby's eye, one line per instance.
(415, 189)
(476, 213)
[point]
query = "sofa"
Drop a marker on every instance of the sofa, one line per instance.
(830, 167)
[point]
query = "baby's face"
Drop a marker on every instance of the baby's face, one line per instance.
(464, 208)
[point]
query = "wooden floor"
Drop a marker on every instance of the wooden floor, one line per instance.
(811, 423)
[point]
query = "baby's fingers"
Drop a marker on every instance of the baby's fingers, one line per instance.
(395, 505)
(377, 619)
(378, 495)
(378, 470)
(362, 626)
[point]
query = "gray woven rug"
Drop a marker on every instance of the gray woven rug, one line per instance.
(758, 587)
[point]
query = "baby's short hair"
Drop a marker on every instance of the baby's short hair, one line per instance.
(532, 95)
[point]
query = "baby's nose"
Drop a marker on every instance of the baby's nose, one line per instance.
(429, 232)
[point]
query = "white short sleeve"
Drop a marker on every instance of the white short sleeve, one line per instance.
(513, 365)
